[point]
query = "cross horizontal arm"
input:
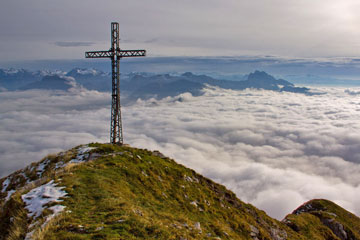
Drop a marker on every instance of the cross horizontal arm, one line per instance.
(119, 53)
(99, 54)
(131, 53)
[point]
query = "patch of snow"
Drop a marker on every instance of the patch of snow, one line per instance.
(56, 210)
(59, 165)
(9, 194)
(29, 235)
(90, 71)
(76, 160)
(40, 169)
(83, 154)
(44, 73)
(85, 149)
(40, 196)
(5, 184)
(11, 71)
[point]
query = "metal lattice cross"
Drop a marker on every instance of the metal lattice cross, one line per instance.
(115, 53)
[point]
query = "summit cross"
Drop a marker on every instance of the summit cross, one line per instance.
(115, 54)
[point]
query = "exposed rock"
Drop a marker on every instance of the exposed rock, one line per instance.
(254, 231)
(278, 234)
(158, 154)
(336, 227)
(197, 226)
(188, 179)
(138, 212)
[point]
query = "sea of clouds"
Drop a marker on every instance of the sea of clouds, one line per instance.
(274, 150)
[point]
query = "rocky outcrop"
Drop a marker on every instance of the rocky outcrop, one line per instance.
(325, 219)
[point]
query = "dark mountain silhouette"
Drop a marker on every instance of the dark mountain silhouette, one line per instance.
(140, 85)
(166, 85)
(13, 79)
(91, 79)
(54, 82)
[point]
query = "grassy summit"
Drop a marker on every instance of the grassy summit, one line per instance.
(103, 191)
(322, 219)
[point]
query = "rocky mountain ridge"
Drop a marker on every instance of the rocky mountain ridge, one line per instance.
(139, 85)
(104, 191)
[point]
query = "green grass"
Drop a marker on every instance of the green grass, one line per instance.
(313, 223)
(130, 193)
(136, 195)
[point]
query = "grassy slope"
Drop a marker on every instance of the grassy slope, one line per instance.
(128, 193)
(136, 195)
(323, 219)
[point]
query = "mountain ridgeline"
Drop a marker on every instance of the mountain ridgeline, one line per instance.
(138, 85)
(104, 191)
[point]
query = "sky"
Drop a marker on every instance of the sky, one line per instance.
(49, 29)
(275, 150)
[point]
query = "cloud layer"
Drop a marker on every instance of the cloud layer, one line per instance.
(274, 150)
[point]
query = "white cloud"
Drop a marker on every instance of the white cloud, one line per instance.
(261, 143)
(274, 150)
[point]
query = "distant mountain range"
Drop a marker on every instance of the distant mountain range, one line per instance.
(15, 79)
(138, 85)
(54, 82)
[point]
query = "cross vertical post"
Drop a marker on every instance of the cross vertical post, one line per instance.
(115, 53)
(116, 123)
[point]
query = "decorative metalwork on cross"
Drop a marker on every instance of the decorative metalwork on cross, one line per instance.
(115, 53)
